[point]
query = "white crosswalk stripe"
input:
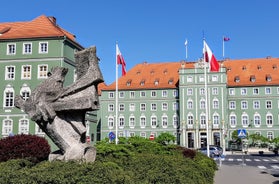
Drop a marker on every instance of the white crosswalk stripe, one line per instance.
(257, 160)
(248, 160)
(239, 159)
(275, 166)
(230, 159)
(266, 160)
(274, 160)
(261, 167)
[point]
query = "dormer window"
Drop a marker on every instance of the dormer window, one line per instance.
(129, 82)
(171, 81)
(252, 78)
(268, 78)
(142, 82)
(152, 72)
(259, 67)
(243, 67)
(274, 67)
(138, 72)
(156, 82)
(236, 79)
(229, 68)
(165, 71)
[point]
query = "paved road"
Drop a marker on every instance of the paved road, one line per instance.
(248, 169)
(265, 162)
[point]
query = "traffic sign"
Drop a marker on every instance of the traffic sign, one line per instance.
(151, 137)
(111, 136)
(241, 133)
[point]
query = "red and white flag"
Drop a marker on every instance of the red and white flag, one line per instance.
(209, 57)
(120, 60)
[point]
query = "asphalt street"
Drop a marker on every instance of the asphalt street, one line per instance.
(248, 169)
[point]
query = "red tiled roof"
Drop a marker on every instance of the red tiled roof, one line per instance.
(149, 76)
(252, 72)
(39, 27)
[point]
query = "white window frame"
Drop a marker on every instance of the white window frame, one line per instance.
(121, 122)
(153, 107)
(132, 107)
(111, 94)
(7, 127)
(233, 120)
(110, 107)
(164, 121)
(190, 91)
(110, 122)
(43, 47)
(153, 121)
(245, 120)
(256, 104)
(26, 71)
(10, 72)
(164, 93)
(9, 95)
(42, 71)
(142, 121)
(23, 126)
(175, 121)
(142, 107)
(132, 121)
(11, 49)
(232, 104)
(164, 106)
(25, 92)
(27, 48)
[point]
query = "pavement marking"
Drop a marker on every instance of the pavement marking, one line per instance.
(266, 160)
(274, 160)
(248, 160)
(261, 167)
(239, 159)
(275, 166)
(257, 160)
(230, 159)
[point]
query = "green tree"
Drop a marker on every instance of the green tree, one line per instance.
(165, 138)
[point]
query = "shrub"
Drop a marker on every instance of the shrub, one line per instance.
(32, 147)
(188, 153)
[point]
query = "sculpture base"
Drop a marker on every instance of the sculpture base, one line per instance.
(88, 154)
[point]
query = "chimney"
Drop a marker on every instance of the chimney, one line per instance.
(52, 19)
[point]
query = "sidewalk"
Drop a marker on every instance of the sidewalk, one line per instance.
(243, 174)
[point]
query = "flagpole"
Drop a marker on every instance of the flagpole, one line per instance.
(186, 47)
(223, 40)
(206, 99)
(116, 96)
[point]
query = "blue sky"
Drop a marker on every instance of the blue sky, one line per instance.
(155, 30)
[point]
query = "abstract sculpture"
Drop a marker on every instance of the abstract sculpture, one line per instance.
(60, 112)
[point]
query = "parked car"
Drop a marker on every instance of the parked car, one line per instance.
(214, 151)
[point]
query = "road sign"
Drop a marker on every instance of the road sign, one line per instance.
(151, 137)
(111, 136)
(241, 133)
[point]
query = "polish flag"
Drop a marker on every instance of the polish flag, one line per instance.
(120, 60)
(226, 39)
(209, 57)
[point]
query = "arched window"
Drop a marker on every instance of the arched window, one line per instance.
(23, 126)
(9, 96)
(7, 127)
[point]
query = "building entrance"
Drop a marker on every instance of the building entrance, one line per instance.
(190, 140)
(203, 139)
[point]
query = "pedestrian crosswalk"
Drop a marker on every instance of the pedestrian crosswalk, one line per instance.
(261, 163)
(247, 159)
